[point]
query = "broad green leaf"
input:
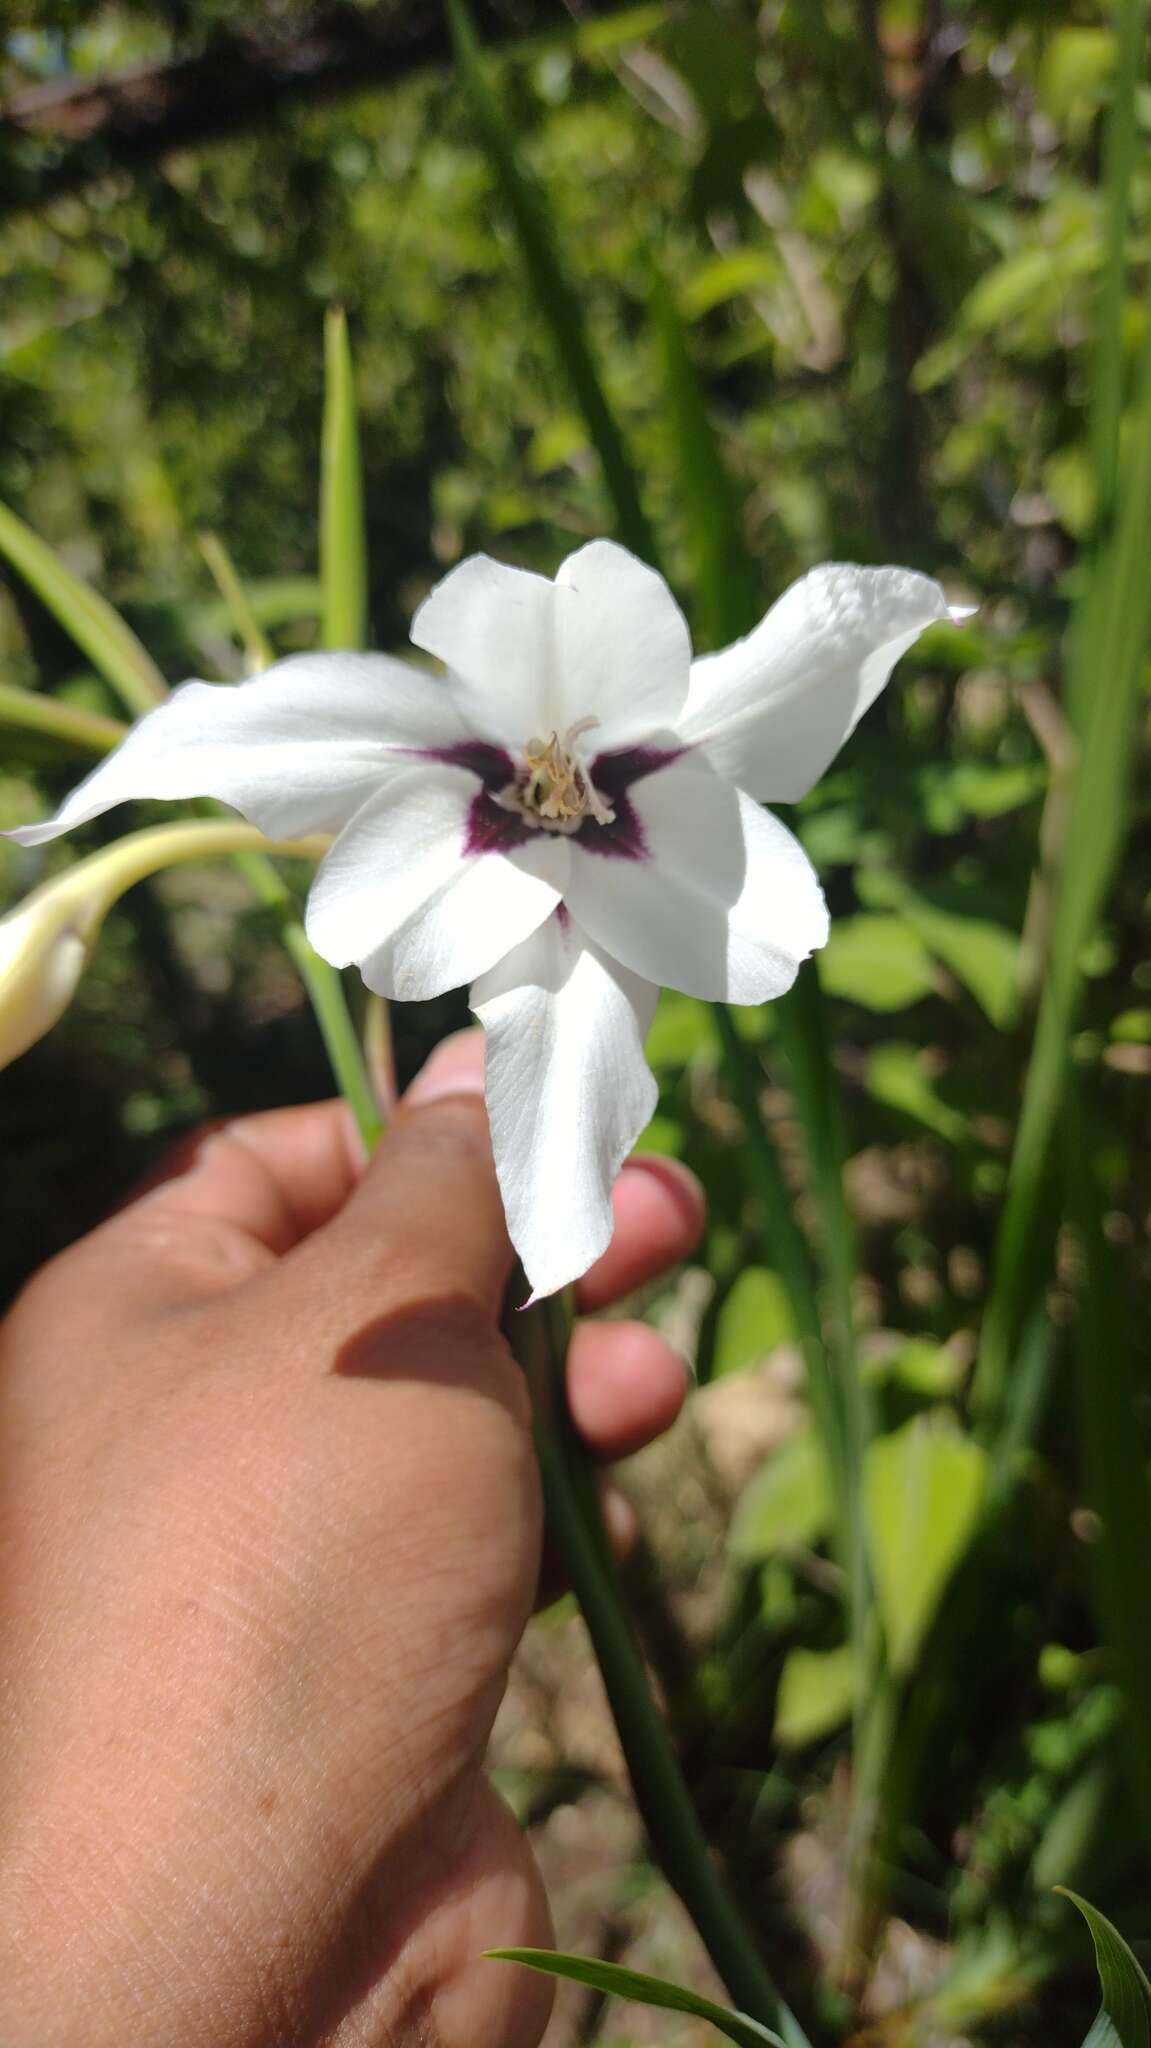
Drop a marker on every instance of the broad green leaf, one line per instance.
(1126, 1991)
(111, 646)
(788, 1502)
(616, 1982)
(1075, 68)
(895, 1075)
(982, 955)
(727, 277)
(1132, 1027)
(923, 1489)
(343, 548)
(755, 1317)
(816, 1694)
(877, 961)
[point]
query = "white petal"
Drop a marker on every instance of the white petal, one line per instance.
(725, 906)
(568, 1092)
(399, 894)
(495, 627)
(297, 749)
(625, 651)
(774, 709)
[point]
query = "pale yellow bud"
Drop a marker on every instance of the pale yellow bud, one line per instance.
(46, 942)
(44, 948)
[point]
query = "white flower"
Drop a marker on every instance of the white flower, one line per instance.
(567, 819)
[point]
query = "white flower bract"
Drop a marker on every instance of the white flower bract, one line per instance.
(567, 819)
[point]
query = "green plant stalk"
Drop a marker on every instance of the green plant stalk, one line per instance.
(88, 731)
(557, 299)
(98, 630)
(539, 1336)
(343, 550)
(251, 635)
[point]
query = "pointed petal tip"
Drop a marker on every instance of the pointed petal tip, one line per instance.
(958, 612)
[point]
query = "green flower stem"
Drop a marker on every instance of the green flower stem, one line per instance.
(326, 993)
(539, 1336)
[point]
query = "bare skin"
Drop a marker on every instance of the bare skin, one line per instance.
(271, 1532)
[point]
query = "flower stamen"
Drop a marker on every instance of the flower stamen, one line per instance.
(553, 790)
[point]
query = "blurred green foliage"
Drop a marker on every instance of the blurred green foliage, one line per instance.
(877, 235)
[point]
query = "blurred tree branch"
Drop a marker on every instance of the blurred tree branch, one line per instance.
(242, 78)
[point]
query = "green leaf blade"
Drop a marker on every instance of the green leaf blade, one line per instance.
(639, 1989)
(98, 630)
(924, 1487)
(1126, 1991)
(555, 295)
(343, 547)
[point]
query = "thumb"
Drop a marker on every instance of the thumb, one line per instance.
(426, 1222)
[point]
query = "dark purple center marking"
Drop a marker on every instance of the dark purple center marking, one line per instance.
(493, 829)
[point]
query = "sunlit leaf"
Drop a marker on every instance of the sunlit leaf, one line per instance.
(877, 961)
(755, 1317)
(788, 1503)
(923, 1489)
(982, 955)
(816, 1693)
(895, 1075)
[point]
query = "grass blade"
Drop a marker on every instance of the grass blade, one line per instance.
(247, 628)
(81, 731)
(1096, 821)
(343, 547)
(727, 588)
(1117, 1484)
(98, 630)
(1118, 171)
(555, 296)
(616, 1982)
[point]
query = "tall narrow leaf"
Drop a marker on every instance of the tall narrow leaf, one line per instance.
(925, 1486)
(838, 1393)
(245, 625)
(110, 644)
(556, 297)
(728, 599)
(1113, 658)
(1117, 1483)
(343, 548)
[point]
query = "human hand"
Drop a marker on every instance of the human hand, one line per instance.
(272, 1533)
